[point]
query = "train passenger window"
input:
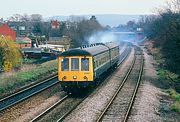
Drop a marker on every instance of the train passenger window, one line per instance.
(65, 64)
(96, 63)
(74, 64)
(85, 64)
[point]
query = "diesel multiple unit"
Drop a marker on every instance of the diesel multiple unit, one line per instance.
(80, 67)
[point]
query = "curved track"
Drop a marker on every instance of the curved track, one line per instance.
(119, 106)
(26, 93)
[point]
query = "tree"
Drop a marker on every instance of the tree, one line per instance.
(37, 28)
(25, 18)
(15, 17)
(164, 30)
(36, 17)
(10, 54)
(80, 29)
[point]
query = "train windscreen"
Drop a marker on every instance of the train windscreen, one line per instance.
(75, 64)
(65, 64)
(85, 64)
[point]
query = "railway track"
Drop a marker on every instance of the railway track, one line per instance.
(27, 93)
(60, 109)
(66, 105)
(49, 109)
(37, 88)
(119, 106)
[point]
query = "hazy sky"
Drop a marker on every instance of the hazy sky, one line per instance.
(77, 7)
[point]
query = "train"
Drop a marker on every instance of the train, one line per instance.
(81, 67)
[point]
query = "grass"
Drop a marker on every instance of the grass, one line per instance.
(167, 79)
(16, 80)
(176, 97)
(35, 61)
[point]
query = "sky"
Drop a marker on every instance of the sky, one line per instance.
(49, 8)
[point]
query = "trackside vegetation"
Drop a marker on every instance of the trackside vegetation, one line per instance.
(10, 55)
(176, 97)
(20, 79)
(163, 31)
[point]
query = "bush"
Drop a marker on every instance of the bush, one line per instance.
(176, 97)
(169, 79)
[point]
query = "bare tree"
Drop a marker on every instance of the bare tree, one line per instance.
(36, 17)
(15, 17)
(25, 17)
(80, 28)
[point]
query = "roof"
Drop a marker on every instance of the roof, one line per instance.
(35, 50)
(7, 31)
(96, 49)
(100, 48)
(55, 23)
(55, 38)
(76, 52)
(112, 44)
(90, 51)
(23, 40)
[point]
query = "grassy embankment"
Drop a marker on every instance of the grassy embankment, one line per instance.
(17, 80)
(167, 79)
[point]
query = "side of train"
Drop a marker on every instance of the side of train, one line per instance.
(78, 68)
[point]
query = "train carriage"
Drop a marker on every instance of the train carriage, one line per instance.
(78, 68)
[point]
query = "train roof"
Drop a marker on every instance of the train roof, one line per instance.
(96, 49)
(75, 52)
(112, 44)
(90, 50)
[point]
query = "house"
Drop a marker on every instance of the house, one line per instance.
(21, 28)
(24, 28)
(23, 42)
(32, 52)
(5, 30)
(55, 24)
(64, 40)
(58, 48)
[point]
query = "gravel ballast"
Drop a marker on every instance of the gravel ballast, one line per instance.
(147, 101)
(28, 109)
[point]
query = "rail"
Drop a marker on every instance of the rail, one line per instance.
(27, 92)
(121, 86)
(49, 109)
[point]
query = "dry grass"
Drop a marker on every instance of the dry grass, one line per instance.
(24, 68)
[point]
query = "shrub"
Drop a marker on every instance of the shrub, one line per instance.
(176, 97)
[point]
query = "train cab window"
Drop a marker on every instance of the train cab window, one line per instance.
(74, 64)
(65, 64)
(85, 64)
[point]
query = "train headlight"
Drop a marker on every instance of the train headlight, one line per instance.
(74, 77)
(64, 77)
(85, 77)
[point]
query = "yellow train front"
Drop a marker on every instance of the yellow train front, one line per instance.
(78, 68)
